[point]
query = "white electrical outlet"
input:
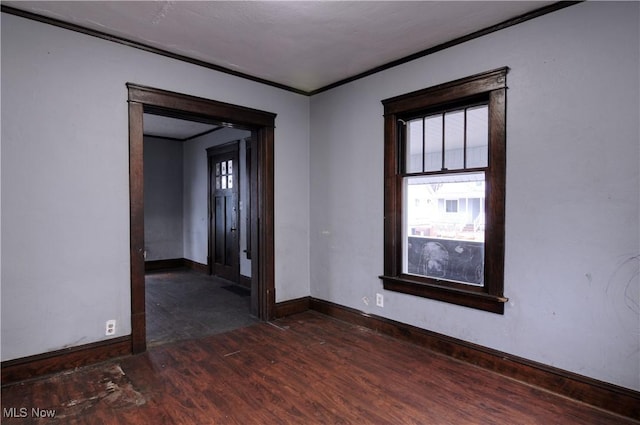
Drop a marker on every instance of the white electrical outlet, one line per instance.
(379, 300)
(110, 328)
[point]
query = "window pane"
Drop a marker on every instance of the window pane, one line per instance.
(217, 168)
(218, 182)
(224, 182)
(443, 240)
(477, 136)
(454, 140)
(433, 143)
(230, 167)
(224, 167)
(230, 184)
(413, 162)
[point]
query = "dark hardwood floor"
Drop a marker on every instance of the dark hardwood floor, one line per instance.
(303, 369)
(185, 304)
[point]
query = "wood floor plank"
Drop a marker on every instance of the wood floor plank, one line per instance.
(303, 369)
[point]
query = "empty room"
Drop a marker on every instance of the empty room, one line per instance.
(426, 212)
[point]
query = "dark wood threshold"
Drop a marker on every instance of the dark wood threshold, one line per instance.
(175, 263)
(613, 398)
(68, 358)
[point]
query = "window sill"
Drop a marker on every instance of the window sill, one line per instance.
(472, 299)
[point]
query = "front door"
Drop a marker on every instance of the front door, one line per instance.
(224, 249)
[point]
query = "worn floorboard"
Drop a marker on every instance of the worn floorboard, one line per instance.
(304, 369)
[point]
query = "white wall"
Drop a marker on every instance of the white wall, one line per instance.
(572, 206)
(163, 190)
(65, 202)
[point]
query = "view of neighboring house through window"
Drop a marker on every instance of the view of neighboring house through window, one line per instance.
(445, 212)
(444, 192)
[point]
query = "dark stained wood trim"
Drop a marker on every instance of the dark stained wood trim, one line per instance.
(489, 87)
(195, 266)
(496, 194)
(290, 307)
(68, 358)
(136, 212)
(456, 90)
(249, 172)
(244, 281)
(120, 40)
(264, 206)
(472, 299)
(476, 34)
(179, 105)
(175, 263)
(168, 264)
(254, 217)
(147, 99)
(142, 46)
(620, 400)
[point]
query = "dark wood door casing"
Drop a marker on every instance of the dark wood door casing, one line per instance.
(143, 99)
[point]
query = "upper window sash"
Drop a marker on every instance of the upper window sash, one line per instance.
(455, 139)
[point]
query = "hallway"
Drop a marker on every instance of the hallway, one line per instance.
(184, 304)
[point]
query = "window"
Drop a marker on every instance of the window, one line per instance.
(224, 175)
(445, 166)
(452, 205)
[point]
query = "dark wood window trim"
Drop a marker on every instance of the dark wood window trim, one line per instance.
(490, 87)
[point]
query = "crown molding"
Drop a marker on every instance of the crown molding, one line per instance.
(121, 40)
(141, 46)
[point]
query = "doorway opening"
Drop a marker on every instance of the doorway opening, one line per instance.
(197, 274)
(259, 124)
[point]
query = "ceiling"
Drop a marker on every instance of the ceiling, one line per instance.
(175, 128)
(301, 45)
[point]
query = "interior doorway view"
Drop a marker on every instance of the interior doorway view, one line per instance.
(195, 196)
(196, 200)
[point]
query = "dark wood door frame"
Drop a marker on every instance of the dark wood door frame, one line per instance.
(147, 99)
